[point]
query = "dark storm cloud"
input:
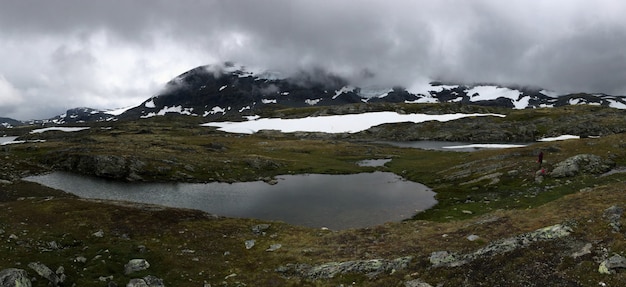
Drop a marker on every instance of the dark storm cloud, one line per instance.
(111, 53)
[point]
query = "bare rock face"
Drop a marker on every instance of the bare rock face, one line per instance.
(582, 163)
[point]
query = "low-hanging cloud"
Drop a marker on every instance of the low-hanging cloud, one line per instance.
(107, 54)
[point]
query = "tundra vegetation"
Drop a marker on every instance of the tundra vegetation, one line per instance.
(500, 221)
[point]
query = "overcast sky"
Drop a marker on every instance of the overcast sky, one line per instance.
(60, 54)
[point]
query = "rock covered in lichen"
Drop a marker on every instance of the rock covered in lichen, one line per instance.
(370, 268)
(582, 163)
(450, 259)
(13, 277)
(609, 266)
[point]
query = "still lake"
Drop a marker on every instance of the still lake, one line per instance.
(313, 200)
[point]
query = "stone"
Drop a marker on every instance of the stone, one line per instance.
(250, 243)
(260, 228)
(473, 237)
(98, 234)
(13, 277)
(371, 268)
(608, 266)
(416, 283)
(274, 247)
(613, 214)
(45, 272)
(582, 163)
(135, 265)
(153, 281)
(449, 259)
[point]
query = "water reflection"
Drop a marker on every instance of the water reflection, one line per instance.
(314, 200)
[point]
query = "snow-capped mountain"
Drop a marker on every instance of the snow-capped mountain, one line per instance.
(8, 123)
(216, 91)
(227, 91)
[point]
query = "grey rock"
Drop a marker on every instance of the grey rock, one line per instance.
(250, 243)
(135, 265)
(98, 234)
(260, 228)
(370, 268)
(613, 214)
(416, 283)
(13, 277)
(449, 259)
(583, 251)
(148, 281)
(274, 247)
(45, 272)
(608, 266)
(582, 163)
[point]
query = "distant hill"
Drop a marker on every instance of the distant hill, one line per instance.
(9, 123)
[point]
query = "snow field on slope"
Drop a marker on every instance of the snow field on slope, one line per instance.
(352, 123)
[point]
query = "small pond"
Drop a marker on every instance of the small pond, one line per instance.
(313, 200)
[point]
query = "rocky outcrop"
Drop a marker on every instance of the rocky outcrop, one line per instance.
(107, 166)
(582, 163)
(370, 268)
(450, 259)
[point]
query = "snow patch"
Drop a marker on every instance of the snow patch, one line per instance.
(352, 123)
(223, 87)
(559, 138)
(486, 93)
(268, 101)
(343, 90)
(312, 102)
(214, 111)
(150, 104)
(63, 129)
(173, 109)
(495, 146)
(117, 112)
(616, 104)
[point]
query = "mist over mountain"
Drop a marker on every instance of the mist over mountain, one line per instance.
(228, 91)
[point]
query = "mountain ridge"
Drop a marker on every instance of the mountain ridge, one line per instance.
(222, 91)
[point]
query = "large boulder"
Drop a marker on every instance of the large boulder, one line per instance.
(45, 272)
(14, 277)
(582, 163)
(610, 265)
(135, 265)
